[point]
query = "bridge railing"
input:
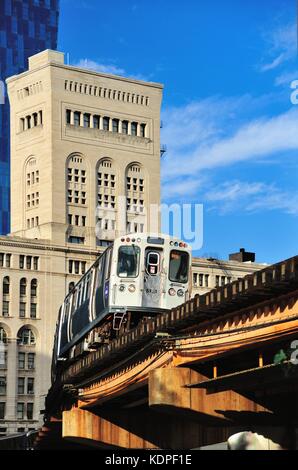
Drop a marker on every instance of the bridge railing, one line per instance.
(20, 441)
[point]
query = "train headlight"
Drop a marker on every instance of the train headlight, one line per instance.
(131, 288)
(122, 287)
(180, 292)
(172, 291)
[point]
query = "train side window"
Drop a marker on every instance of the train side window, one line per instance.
(152, 262)
(108, 263)
(128, 261)
(87, 287)
(179, 262)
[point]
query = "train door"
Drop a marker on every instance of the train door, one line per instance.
(102, 288)
(152, 292)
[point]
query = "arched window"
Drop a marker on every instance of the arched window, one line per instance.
(23, 286)
(135, 198)
(71, 286)
(106, 196)
(34, 288)
(32, 192)
(76, 197)
(6, 286)
(3, 335)
(26, 337)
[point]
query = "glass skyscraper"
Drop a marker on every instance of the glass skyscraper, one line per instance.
(26, 27)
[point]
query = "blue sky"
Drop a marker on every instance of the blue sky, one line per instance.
(229, 125)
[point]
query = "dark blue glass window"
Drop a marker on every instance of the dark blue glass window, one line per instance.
(26, 28)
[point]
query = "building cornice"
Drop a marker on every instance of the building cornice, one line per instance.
(86, 72)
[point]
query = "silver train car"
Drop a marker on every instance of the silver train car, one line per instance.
(139, 275)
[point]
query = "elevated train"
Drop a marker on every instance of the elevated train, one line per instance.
(138, 276)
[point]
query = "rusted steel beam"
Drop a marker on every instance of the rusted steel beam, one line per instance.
(263, 285)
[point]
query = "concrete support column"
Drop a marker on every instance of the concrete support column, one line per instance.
(100, 122)
(82, 119)
(110, 124)
(120, 127)
(72, 118)
(91, 121)
(138, 129)
(129, 128)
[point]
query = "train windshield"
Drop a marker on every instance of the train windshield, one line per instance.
(128, 261)
(179, 262)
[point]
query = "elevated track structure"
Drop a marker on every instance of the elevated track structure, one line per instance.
(220, 363)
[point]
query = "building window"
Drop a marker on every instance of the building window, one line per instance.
(217, 281)
(3, 336)
(6, 286)
(31, 361)
(124, 127)
(21, 360)
(36, 262)
(86, 120)
(33, 310)
(105, 123)
(71, 286)
(2, 410)
(2, 385)
(78, 240)
(206, 280)
(115, 124)
(22, 309)
(28, 261)
(3, 359)
(142, 130)
(5, 308)
(96, 122)
(77, 267)
(8, 259)
(23, 287)
(26, 337)
(68, 115)
(30, 385)
(21, 385)
(20, 411)
(34, 288)
(76, 117)
(134, 127)
(30, 410)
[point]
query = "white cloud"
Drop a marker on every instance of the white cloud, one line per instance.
(251, 197)
(275, 63)
(201, 145)
(205, 137)
(286, 78)
(104, 68)
(107, 68)
(281, 45)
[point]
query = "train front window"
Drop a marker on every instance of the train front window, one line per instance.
(179, 262)
(152, 263)
(128, 261)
